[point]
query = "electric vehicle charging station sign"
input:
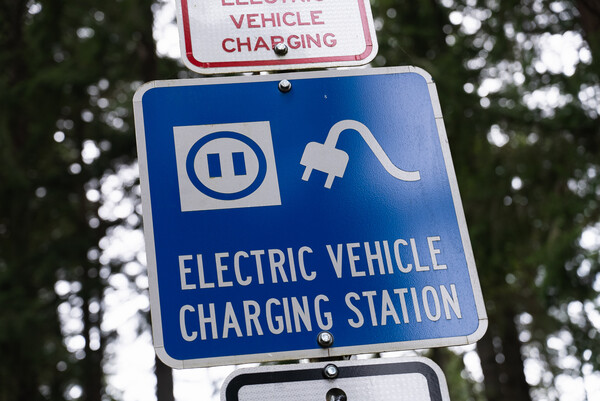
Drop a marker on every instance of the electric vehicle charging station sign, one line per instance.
(273, 216)
(382, 379)
(241, 35)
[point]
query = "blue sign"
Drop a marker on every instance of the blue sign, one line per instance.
(273, 216)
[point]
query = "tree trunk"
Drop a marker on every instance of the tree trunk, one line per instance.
(93, 376)
(590, 21)
(501, 360)
(491, 371)
(146, 52)
(164, 381)
(516, 387)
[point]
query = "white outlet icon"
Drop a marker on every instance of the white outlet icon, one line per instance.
(226, 166)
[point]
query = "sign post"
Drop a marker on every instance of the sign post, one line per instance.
(259, 35)
(302, 215)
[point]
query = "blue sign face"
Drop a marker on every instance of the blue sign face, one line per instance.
(273, 216)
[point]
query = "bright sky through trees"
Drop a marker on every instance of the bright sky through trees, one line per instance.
(520, 100)
(131, 370)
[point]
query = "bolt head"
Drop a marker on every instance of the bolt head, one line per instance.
(325, 339)
(285, 85)
(280, 49)
(331, 371)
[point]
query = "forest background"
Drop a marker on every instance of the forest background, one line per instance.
(519, 85)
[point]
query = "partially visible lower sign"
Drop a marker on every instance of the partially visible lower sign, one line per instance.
(387, 379)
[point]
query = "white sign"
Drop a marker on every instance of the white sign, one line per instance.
(240, 35)
(386, 379)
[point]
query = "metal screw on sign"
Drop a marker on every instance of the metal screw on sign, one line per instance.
(285, 86)
(330, 371)
(280, 49)
(325, 339)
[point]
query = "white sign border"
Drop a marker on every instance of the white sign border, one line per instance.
(443, 384)
(316, 352)
(282, 63)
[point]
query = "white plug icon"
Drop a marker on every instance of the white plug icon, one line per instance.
(332, 161)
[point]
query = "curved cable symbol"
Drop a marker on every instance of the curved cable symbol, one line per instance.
(332, 161)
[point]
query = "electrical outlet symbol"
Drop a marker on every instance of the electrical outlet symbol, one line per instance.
(226, 166)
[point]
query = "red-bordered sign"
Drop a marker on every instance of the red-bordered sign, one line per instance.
(239, 35)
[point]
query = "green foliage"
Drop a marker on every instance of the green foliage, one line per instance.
(69, 72)
(524, 138)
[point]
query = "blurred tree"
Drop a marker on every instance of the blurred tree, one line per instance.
(69, 72)
(522, 119)
(520, 97)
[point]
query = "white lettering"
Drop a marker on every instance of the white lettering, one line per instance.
(252, 317)
(286, 314)
(388, 257)
(374, 256)
(237, 271)
(438, 313)
(203, 283)
(336, 260)
(259, 272)
(326, 315)
(413, 293)
(303, 273)
(211, 319)
(370, 295)
(301, 312)
(409, 266)
(360, 319)
(277, 265)
(230, 321)
(450, 301)
(221, 268)
(387, 309)
(278, 319)
(381, 306)
(292, 264)
(401, 293)
(434, 251)
(418, 266)
(353, 258)
(183, 271)
(182, 327)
